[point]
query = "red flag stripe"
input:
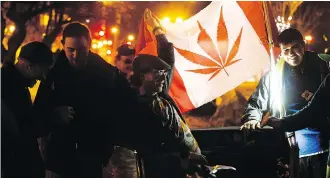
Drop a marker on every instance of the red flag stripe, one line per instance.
(254, 12)
(179, 93)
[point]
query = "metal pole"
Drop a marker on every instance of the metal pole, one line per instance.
(294, 149)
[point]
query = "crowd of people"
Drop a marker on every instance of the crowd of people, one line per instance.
(90, 112)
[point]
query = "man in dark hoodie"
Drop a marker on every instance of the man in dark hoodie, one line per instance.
(20, 156)
(80, 90)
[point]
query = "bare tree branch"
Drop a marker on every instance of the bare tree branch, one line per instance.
(39, 11)
(49, 23)
(307, 19)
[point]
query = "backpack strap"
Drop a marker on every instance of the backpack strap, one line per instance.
(324, 66)
(324, 57)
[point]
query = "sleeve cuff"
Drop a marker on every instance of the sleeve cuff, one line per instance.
(161, 38)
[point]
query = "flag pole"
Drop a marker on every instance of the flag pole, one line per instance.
(268, 26)
(294, 149)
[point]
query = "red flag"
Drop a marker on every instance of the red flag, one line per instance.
(146, 41)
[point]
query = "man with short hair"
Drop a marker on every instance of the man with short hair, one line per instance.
(19, 129)
(123, 162)
(301, 72)
(79, 90)
(124, 59)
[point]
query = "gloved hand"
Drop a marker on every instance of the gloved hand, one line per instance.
(274, 122)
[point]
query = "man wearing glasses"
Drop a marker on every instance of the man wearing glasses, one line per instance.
(162, 136)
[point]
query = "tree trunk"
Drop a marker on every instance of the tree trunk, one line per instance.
(51, 37)
(15, 41)
(3, 26)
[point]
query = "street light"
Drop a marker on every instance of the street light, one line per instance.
(130, 37)
(178, 20)
(100, 44)
(94, 46)
(308, 38)
(101, 33)
(11, 28)
(166, 20)
(114, 30)
(108, 52)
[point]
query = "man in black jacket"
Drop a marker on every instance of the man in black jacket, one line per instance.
(82, 90)
(124, 59)
(20, 156)
(315, 115)
(301, 74)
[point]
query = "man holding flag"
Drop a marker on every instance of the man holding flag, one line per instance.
(172, 138)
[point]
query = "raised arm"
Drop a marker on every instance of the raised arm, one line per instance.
(164, 48)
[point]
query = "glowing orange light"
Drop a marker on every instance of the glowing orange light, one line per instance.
(101, 33)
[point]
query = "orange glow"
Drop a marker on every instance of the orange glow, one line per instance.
(130, 37)
(101, 33)
(114, 29)
(308, 38)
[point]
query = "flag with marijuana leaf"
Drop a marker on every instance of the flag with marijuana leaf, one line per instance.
(216, 50)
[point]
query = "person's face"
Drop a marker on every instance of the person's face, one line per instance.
(293, 53)
(154, 81)
(36, 72)
(125, 64)
(76, 50)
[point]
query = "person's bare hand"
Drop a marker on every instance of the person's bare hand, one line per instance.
(251, 125)
(150, 19)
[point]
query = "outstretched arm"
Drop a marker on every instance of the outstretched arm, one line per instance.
(312, 115)
(257, 105)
